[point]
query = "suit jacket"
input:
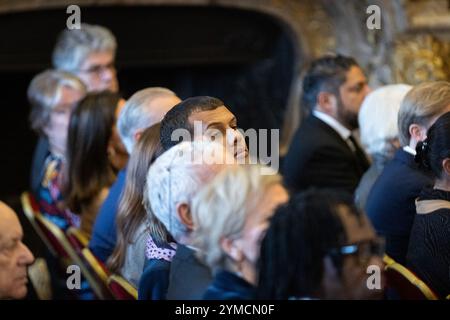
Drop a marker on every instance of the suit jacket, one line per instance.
(391, 202)
(189, 278)
(319, 157)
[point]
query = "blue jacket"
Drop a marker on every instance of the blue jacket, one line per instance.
(104, 234)
(391, 202)
(229, 286)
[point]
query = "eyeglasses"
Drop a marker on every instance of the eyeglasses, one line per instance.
(99, 69)
(363, 250)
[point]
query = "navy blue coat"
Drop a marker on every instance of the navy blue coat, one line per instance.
(391, 202)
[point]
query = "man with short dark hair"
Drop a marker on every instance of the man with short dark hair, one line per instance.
(324, 153)
(213, 119)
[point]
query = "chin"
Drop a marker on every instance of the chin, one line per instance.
(19, 293)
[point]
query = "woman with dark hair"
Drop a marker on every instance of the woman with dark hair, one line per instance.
(91, 149)
(429, 247)
(133, 224)
(318, 246)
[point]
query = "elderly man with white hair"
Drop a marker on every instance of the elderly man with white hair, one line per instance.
(379, 133)
(172, 181)
(145, 108)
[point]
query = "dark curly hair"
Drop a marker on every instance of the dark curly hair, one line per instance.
(301, 234)
(436, 147)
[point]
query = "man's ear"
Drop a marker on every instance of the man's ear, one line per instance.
(137, 135)
(417, 132)
(446, 166)
(231, 249)
(184, 213)
(327, 103)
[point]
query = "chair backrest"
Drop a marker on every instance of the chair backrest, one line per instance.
(77, 238)
(121, 289)
(31, 211)
(96, 265)
(407, 284)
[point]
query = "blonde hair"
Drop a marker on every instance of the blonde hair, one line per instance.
(221, 208)
(422, 103)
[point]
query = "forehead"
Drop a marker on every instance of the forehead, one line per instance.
(220, 114)
(9, 224)
(357, 229)
(354, 75)
(99, 58)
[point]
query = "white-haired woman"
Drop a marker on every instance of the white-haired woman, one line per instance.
(379, 132)
(53, 95)
(230, 216)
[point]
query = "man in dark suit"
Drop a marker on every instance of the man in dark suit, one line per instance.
(189, 278)
(324, 152)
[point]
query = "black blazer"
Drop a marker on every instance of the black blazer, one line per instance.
(319, 157)
(189, 278)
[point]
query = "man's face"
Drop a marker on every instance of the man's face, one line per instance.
(351, 95)
(98, 72)
(352, 283)
(221, 124)
(56, 129)
(14, 256)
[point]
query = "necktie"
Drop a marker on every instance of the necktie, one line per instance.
(359, 153)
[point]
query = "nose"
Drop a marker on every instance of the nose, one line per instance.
(26, 257)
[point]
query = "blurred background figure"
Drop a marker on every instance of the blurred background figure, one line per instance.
(14, 256)
(324, 153)
(90, 169)
(53, 95)
(89, 54)
(144, 109)
(379, 133)
(133, 227)
(318, 246)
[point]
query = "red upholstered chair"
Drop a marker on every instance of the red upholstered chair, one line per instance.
(407, 284)
(121, 289)
(59, 245)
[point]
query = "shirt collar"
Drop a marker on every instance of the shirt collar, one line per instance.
(409, 150)
(333, 123)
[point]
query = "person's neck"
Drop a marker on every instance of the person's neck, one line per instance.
(248, 273)
(442, 184)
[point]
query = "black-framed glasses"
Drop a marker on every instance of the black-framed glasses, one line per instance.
(363, 250)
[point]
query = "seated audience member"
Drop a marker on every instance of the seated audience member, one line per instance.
(324, 153)
(429, 244)
(144, 109)
(128, 257)
(390, 203)
(213, 118)
(89, 54)
(318, 246)
(89, 171)
(172, 181)
(15, 257)
(379, 133)
(230, 216)
(53, 95)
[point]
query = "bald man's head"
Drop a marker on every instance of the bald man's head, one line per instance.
(14, 256)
